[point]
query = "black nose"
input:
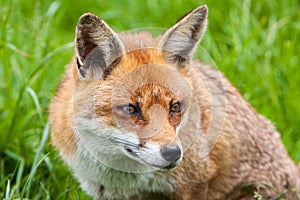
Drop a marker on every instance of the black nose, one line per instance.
(170, 153)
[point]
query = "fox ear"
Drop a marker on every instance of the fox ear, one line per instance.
(180, 41)
(97, 47)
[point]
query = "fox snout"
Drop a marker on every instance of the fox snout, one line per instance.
(162, 157)
(171, 152)
(161, 150)
(170, 145)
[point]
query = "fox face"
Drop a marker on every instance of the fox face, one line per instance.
(149, 115)
(131, 97)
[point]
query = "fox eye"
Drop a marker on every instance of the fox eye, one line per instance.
(175, 108)
(129, 109)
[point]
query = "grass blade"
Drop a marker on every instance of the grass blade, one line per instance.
(37, 161)
(7, 196)
(35, 100)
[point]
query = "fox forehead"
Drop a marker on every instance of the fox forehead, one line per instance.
(135, 59)
(137, 40)
(153, 93)
(143, 89)
(141, 77)
(141, 48)
(146, 75)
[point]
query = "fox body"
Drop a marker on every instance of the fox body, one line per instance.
(135, 117)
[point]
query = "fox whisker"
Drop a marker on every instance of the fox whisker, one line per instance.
(122, 142)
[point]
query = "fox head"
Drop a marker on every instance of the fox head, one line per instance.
(131, 98)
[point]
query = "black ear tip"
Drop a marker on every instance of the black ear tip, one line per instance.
(203, 9)
(88, 18)
(204, 6)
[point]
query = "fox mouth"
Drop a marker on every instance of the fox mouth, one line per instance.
(161, 168)
(138, 153)
(170, 166)
(131, 151)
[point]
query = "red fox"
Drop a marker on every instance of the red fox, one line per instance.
(136, 118)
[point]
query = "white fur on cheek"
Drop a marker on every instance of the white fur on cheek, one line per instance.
(100, 162)
(106, 145)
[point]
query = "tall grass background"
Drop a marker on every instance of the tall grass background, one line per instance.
(254, 43)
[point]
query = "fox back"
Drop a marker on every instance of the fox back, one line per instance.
(136, 117)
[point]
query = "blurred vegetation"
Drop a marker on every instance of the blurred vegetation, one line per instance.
(254, 43)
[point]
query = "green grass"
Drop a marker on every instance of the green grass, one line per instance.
(254, 43)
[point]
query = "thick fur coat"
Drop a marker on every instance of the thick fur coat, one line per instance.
(135, 117)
